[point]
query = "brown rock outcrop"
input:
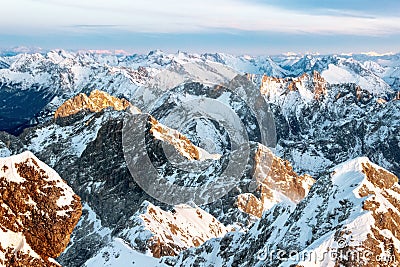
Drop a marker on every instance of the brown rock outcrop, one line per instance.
(316, 83)
(276, 180)
(180, 142)
(175, 138)
(95, 102)
(320, 84)
(38, 212)
(386, 219)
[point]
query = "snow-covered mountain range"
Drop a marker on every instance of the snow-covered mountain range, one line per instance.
(294, 194)
(51, 78)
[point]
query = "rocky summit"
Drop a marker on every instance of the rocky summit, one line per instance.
(318, 185)
(95, 102)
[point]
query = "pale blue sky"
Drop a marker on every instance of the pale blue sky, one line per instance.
(236, 26)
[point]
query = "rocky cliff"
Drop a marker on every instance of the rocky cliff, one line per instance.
(277, 182)
(38, 212)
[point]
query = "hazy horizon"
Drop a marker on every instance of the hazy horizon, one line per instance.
(229, 26)
(125, 52)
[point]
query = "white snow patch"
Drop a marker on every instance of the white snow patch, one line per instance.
(118, 253)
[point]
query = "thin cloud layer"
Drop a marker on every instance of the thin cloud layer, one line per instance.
(385, 7)
(160, 16)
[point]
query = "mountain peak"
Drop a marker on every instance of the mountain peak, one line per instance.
(366, 176)
(95, 102)
(170, 232)
(308, 87)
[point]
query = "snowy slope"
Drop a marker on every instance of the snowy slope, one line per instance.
(248, 64)
(351, 71)
(353, 210)
(169, 232)
(118, 253)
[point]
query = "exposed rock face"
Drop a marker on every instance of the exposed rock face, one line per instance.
(320, 85)
(277, 182)
(179, 141)
(313, 86)
(95, 102)
(349, 218)
(315, 133)
(38, 212)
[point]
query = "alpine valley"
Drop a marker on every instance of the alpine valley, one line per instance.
(319, 186)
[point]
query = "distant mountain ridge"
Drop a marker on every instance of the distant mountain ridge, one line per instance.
(58, 75)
